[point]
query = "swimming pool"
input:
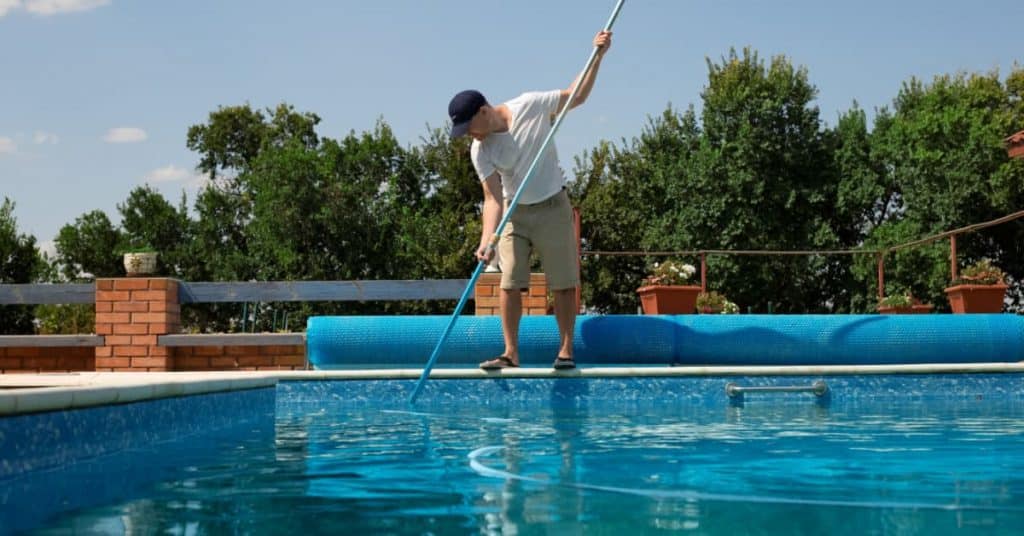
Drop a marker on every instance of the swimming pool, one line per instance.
(905, 453)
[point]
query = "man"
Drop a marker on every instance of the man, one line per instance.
(506, 139)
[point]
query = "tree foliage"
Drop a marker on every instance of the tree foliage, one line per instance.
(20, 262)
(285, 203)
(940, 151)
(753, 172)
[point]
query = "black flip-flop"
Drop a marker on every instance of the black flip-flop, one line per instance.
(564, 363)
(498, 363)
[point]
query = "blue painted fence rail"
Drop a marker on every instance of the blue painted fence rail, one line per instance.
(252, 291)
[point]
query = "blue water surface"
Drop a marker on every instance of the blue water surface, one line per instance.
(882, 455)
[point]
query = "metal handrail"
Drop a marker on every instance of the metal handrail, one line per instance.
(880, 253)
(818, 388)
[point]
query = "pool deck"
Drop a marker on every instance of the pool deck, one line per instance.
(32, 393)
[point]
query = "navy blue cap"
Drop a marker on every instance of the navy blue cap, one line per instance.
(462, 108)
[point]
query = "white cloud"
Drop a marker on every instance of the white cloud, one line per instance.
(170, 173)
(46, 8)
(125, 135)
(7, 145)
(174, 173)
(41, 137)
(56, 7)
(8, 5)
(48, 247)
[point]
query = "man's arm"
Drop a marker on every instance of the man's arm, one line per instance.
(494, 207)
(603, 41)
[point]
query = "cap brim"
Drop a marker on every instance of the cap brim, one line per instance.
(460, 129)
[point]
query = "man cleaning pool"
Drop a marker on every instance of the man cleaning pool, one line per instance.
(506, 140)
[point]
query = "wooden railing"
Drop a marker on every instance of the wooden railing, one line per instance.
(138, 323)
(47, 294)
(256, 291)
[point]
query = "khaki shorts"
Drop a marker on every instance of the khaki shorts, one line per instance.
(546, 228)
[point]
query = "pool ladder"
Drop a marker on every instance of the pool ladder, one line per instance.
(735, 392)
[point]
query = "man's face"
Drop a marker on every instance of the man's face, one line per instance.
(478, 125)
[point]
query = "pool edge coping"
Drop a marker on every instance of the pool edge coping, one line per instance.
(36, 393)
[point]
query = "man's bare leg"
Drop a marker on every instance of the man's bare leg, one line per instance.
(511, 303)
(565, 314)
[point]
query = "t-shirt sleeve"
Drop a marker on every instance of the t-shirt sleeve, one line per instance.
(484, 168)
(547, 101)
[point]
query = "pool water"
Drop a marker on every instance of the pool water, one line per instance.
(326, 462)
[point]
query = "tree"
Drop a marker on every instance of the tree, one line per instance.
(436, 236)
(234, 136)
(287, 204)
(941, 150)
(90, 247)
(769, 177)
(612, 191)
(228, 144)
(756, 172)
(20, 262)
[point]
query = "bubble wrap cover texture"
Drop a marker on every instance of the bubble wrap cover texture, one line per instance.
(674, 339)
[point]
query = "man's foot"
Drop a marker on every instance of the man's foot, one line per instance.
(500, 362)
(564, 363)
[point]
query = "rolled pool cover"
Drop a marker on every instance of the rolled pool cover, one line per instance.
(353, 341)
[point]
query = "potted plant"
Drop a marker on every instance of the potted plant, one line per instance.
(979, 289)
(715, 303)
(902, 303)
(665, 291)
(140, 261)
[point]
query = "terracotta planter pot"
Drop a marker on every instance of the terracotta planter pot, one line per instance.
(1016, 150)
(919, 309)
(976, 298)
(1015, 145)
(668, 300)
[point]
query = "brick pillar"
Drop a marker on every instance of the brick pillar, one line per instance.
(488, 292)
(132, 313)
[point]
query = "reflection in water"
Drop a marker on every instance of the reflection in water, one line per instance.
(572, 468)
(534, 499)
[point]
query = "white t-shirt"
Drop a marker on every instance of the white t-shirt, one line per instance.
(511, 153)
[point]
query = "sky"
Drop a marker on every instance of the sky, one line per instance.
(96, 96)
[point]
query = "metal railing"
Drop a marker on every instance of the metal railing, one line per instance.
(880, 253)
(818, 388)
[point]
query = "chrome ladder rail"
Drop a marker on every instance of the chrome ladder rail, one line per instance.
(819, 389)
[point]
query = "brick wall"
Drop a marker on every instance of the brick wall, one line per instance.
(56, 359)
(488, 292)
(240, 357)
(131, 315)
